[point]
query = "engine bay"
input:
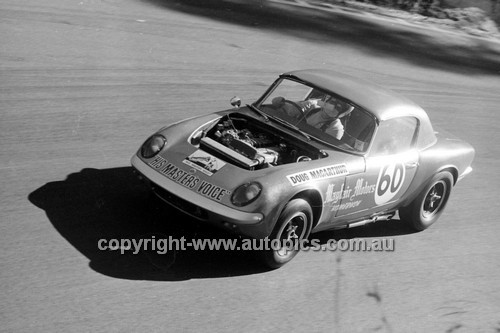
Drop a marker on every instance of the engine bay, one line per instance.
(255, 145)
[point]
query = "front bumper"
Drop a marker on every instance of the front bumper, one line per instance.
(193, 204)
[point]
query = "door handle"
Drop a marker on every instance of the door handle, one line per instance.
(411, 165)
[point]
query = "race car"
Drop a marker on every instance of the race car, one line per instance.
(318, 150)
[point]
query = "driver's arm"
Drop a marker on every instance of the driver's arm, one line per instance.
(311, 104)
(336, 129)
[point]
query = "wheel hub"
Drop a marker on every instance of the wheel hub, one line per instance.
(433, 200)
(291, 234)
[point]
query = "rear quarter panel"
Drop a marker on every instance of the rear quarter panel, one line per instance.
(447, 153)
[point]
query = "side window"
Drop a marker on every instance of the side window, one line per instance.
(358, 126)
(394, 136)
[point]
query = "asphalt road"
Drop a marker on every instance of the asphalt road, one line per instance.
(84, 82)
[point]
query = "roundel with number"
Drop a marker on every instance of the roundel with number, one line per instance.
(389, 182)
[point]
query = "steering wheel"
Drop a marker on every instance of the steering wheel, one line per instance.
(299, 112)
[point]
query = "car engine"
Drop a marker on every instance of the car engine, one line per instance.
(253, 145)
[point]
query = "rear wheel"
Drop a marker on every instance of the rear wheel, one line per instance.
(294, 225)
(426, 208)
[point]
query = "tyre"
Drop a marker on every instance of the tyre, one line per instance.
(294, 224)
(426, 208)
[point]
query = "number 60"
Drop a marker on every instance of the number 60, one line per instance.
(389, 182)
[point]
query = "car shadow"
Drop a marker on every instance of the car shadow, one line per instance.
(94, 204)
(113, 204)
(407, 43)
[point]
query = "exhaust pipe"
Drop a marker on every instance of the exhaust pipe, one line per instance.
(371, 220)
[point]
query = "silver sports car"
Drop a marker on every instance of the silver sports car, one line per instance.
(319, 150)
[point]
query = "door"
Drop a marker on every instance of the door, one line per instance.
(389, 170)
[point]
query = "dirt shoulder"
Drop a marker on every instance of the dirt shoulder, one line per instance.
(466, 21)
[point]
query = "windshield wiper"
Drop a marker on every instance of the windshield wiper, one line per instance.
(256, 110)
(279, 120)
(292, 126)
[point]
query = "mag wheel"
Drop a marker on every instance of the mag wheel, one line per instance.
(294, 225)
(429, 204)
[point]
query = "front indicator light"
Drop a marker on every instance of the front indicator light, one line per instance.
(246, 194)
(153, 145)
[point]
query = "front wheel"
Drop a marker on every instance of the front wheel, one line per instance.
(294, 225)
(426, 208)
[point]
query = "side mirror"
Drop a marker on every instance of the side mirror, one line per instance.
(235, 102)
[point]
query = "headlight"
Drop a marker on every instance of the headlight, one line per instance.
(246, 194)
(153, 145)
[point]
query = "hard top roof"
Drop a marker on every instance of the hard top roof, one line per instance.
(381, 102)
